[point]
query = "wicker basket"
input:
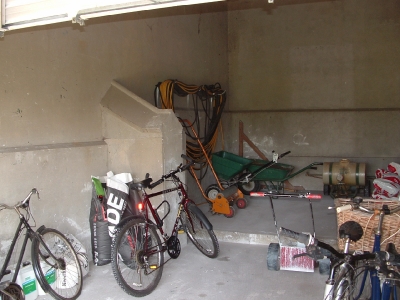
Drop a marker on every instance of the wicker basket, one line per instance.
(390, 228)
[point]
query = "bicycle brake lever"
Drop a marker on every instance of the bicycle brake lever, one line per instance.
(312, 252)
(300, 255)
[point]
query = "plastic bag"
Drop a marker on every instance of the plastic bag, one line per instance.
(386, 187)
(80, 252)
(100, 239)
(117, 199)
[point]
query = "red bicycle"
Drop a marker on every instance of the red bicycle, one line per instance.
(137, 250)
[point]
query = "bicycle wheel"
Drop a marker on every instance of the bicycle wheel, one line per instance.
(343, 287)
(58, 272)
(204, 239)
(137, 258)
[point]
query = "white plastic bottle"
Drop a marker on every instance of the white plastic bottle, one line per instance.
(27, 280)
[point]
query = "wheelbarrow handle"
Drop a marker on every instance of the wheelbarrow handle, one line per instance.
(284, 154)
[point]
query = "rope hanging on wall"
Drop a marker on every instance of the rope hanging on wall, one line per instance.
(208, 104)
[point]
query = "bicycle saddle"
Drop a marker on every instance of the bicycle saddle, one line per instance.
(142, 184)
(351, 229)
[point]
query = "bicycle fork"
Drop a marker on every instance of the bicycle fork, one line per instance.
(337, 290)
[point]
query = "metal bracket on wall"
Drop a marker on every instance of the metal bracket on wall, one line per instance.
(78, 20)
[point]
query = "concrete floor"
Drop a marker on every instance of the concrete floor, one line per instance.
(240, 271)
(255, 224)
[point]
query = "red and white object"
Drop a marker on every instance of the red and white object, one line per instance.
(376, 195)
(387, 182)
(301, 264)
(394, 168)
(386, 187)
(380, 173)
(392, 177)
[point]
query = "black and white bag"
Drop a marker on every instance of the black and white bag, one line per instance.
(117, 199)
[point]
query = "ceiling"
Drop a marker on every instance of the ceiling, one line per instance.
(16, 14)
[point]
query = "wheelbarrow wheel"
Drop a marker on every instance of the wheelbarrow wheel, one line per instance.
(231, 212)
(248, 187)
(241, 203)
(212, 191)
(273, 257)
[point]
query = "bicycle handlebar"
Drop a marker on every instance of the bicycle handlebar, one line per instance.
(356, 205)
(172, 173)
(21, 203)
(283, 154)
(310, 241)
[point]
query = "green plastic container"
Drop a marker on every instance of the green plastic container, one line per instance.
(276, 172)
(227, 165)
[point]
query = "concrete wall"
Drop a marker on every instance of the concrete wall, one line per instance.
(53, 79)
(61, 173)
(318, 78)
(142, 139)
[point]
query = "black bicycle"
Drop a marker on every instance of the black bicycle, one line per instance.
(54, 261)
(137, 256)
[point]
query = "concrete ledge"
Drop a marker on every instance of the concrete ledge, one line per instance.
(52, 146)
(256, 239)
(245, 238)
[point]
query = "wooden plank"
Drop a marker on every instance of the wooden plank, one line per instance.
(243, 137)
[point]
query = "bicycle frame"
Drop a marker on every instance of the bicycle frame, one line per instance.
(31, 235)
(388, 288)
(148, 208)
(339, 266)
(29, 232)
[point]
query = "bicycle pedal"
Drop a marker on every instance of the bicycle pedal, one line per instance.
(181, 230)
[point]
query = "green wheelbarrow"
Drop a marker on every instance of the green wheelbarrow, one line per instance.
(250, 174)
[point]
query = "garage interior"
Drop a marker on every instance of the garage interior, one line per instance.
(318, 78)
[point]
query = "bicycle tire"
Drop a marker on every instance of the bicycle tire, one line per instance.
(61, 279)
(204, 239)
(132, 269)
